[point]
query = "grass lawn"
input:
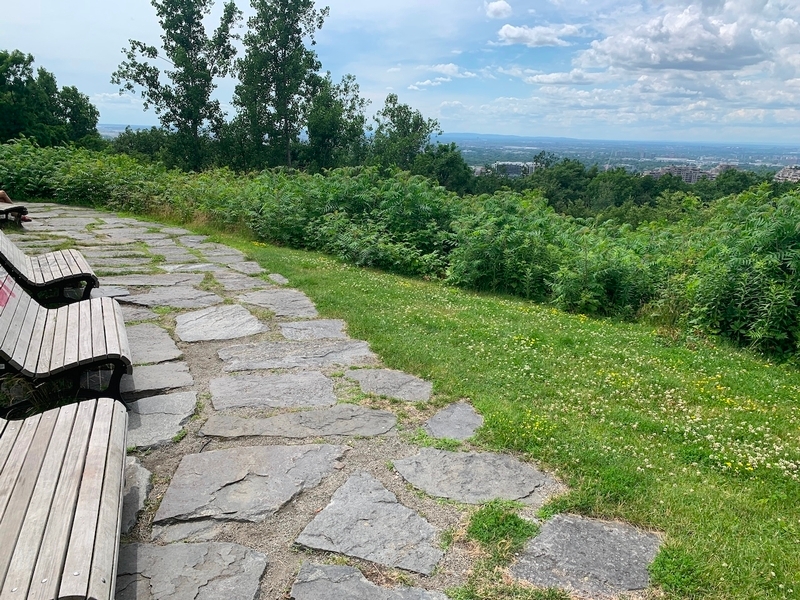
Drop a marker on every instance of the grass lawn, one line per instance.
(698, 441)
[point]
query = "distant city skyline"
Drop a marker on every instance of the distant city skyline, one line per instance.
(708, 71)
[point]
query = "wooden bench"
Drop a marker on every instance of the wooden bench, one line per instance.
(49, 276)
(13, 210)
(61, 481)
(72, 342)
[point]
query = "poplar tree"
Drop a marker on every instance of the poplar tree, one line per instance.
(183, 102)
(277, 78)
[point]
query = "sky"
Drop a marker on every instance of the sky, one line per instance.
(705, 71)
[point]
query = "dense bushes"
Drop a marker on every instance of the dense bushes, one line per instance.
(730, 268)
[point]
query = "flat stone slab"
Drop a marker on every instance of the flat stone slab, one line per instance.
(207, 571)
(588, 556)
(165, 279)
(179, 296)
(248, 267)
(319, 329)
(476, 477)
(136, 313)
(151, 378)
(365, 520)
(151, 344)
(288, 355)
(236, 282)
(278, 278)
(156, 420)
(137, 486)
(193, 241)
(122, 261)
(245, 483)
(394, 384)
(196, 267)
(109, 291)
(458, 421)
(342, 419)
(217, 323)
(290, 390)
(334, 582)
(175, 231)
(284, 303)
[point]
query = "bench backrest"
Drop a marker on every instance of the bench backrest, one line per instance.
(13, 258)
(39, 342)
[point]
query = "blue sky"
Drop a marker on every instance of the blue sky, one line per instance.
(713, 70)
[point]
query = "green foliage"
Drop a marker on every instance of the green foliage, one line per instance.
(508, 243)
(146, 145)
(444, 164)
(34, 107)
(401, 133)
(277, 79)
(197, 59)
(730, 269)
(336, 125)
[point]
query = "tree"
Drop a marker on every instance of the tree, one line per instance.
(335, 125)
(183, 105)
(78, 112)
(445, 164)
(36, 108)
(400, 134)
(277, 77)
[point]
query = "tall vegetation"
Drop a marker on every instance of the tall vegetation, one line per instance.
(197, 59)
(731, 268)
(277, 78)
(33, 106)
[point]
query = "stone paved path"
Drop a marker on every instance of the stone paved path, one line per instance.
(265, 446)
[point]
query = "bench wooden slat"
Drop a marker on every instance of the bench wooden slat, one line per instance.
(26, 332)
(30, 538)
(80, 260)
(59, 340)
(45, 582)
(62, 264)
(46, 352)
(98, 329)
(47, 269)
(73, 334)
(10, 433)
(14, 297)
(55, 270)
(12, 335)
(85, 332)
(22, 491)
(107, 543)
(8, 478)
(75, 582)
(110, 326)
(37, 274)
(13, 254)
(69, 261)
(35, 347)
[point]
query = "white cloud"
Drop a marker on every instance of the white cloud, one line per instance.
(537, 36)
(689, 39)
(449, 70)
(574, 77)
(498, 10)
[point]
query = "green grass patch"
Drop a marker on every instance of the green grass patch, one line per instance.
(498, 528)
